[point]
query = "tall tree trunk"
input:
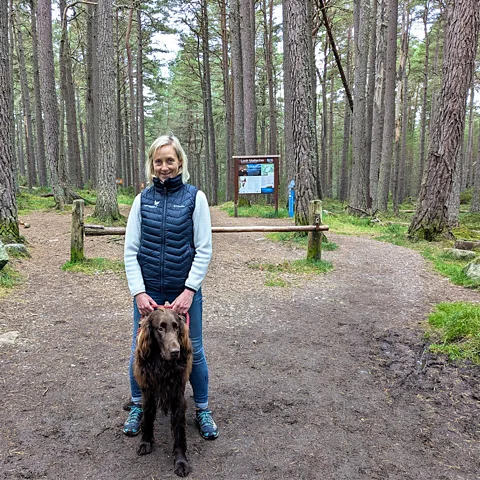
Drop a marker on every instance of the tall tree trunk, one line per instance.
(359, 194)
(237, 77)
(213, 172)
(389, 118)
(247, 36)
(49, 100)
(330, 137)
(461, 41)
(475, 206)
(8, 206)
(289, 160)
(27, 112)
(322, 171)
(91, 94)
(40, 137)
(227, 95)
(106, 207)
(120, 164)
(300, 96)
(10, 55)
(402, 115)
(68, 93)
(467, 170)
(372, 54)
(347, 128)
(378, 113)
(423, 118)
(133, 110)
(140, 100)
(272, 107)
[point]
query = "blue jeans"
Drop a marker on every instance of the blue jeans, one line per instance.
(199, 375)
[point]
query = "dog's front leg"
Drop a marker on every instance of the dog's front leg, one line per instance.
(178, 410)
(149, 413)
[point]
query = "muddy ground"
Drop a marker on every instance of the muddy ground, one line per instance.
(327, 378)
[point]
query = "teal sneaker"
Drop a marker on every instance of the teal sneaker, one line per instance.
(208, 428)
(134, 420)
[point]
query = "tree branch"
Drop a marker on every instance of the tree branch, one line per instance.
(321, 6)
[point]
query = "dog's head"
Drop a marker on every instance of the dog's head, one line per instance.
(165, 330)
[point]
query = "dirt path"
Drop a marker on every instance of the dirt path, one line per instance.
(324, 379)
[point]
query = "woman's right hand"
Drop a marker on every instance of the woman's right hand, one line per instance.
(145, 304)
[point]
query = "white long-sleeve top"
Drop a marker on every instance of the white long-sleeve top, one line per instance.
(202, 239)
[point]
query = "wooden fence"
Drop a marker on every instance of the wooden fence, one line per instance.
(315, 229)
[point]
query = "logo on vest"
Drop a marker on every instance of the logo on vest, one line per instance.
(178, 206)
(156, 202)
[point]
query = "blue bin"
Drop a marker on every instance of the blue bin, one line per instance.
(291, 198)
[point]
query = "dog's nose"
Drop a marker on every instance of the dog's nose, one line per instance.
(175, 353)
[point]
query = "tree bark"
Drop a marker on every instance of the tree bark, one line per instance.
(423, 118)
(227, 95)
(347, 128)
(106, 207)
(133, 110)
(68, 93)
(247, 37)
(49, 100)
(461, 41)
(302, 122)
(212, 161)
(359, 194)
(389, 118)
(27, 112)
(237, 74)
(8, 206)
(39, 128)
(378, 113)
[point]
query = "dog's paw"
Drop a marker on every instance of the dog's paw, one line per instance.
(182, 468)
(144, 448)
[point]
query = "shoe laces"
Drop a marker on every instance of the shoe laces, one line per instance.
(135, 414)
(205, 418)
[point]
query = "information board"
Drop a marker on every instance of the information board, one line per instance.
(256, 174)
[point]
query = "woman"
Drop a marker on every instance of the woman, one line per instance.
(168, 247)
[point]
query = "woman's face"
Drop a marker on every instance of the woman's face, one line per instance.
(166, 163)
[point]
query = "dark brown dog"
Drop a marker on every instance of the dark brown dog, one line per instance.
(163, 362)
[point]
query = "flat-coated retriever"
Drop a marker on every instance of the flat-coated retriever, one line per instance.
(163, 362)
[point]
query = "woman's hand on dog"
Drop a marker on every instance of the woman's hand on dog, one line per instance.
(145, 304)
(183, 302)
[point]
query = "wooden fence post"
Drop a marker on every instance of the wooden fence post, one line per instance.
(76, 244)
(314, 249)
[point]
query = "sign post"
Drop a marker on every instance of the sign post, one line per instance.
(256, 174)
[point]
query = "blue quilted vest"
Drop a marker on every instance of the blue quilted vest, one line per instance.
(166, 247)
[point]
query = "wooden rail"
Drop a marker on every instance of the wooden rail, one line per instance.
(98, 230)
(315, 229)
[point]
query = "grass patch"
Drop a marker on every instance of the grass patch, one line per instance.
(449, 267)
(260, 211)
(95, 266)
(8, 279)
(31, 200)
(286, 274)
(455, 331)
(300, 239)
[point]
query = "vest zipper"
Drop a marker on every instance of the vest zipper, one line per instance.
(162, 253)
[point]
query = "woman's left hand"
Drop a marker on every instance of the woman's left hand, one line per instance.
(183, 302)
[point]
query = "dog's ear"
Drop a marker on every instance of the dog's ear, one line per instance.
(183, 332)
(144, 338)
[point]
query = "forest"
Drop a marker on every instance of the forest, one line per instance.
(371, 102)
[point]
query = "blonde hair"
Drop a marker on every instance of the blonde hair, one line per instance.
(161, 142)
